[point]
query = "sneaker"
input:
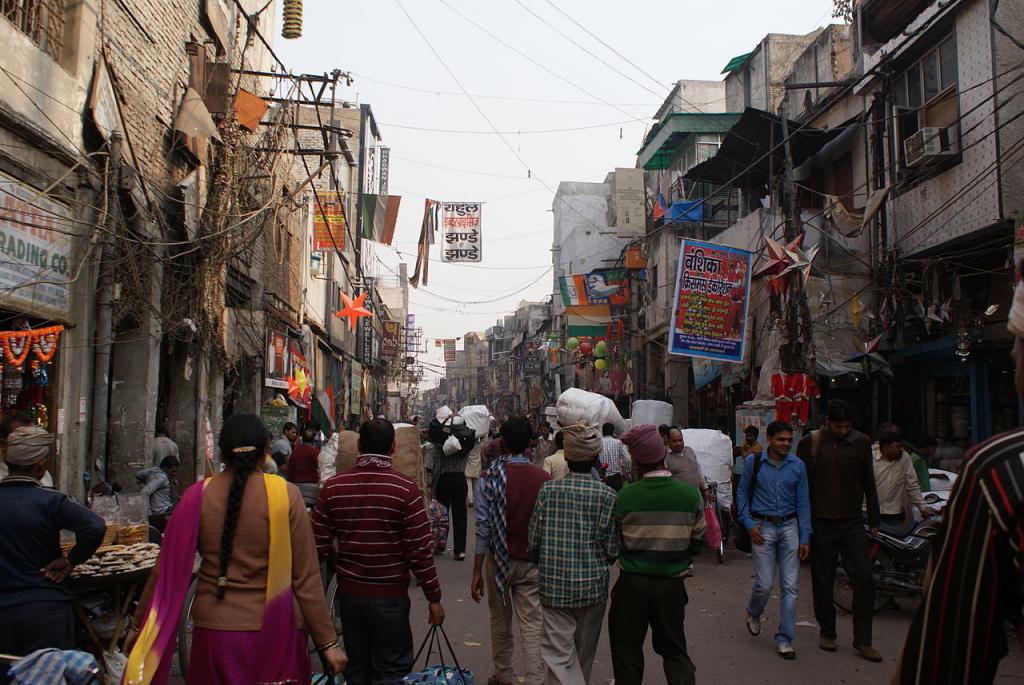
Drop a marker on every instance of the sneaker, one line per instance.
(460, 557)
(785, 650)
(868, 653)
(754, 624)
(827, 643)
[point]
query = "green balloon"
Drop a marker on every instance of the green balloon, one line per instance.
(572, 343)
(601, 349)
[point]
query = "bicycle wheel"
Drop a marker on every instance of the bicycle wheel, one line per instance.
(185, 630)
(333, 608)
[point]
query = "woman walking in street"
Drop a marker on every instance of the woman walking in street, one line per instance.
(258, 580)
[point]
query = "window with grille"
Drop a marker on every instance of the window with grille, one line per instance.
(40, 20)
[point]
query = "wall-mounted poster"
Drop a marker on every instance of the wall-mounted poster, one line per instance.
(709, 307)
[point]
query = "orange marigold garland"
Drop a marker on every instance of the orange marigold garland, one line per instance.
(17, 345)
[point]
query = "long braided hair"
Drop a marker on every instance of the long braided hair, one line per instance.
(243, 443)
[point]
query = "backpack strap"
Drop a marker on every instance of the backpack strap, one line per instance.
(753, 479)
(815, 446)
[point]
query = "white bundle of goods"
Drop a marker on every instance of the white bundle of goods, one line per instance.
(443, 413)
(714, 454)
(651, 412)
(593, 409)
(477, 417)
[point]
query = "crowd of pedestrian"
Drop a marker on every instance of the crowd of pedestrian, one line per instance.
(554, 511)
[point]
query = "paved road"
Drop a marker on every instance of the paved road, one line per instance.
(719, 643)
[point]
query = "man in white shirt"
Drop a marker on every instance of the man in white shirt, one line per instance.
(896, 480)
(615, 458)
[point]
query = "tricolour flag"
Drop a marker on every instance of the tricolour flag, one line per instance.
(380, 215)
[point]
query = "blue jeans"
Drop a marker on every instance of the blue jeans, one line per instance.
(781, 549)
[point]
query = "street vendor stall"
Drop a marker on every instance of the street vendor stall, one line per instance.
(120, 572)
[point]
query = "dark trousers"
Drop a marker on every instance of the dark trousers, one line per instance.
(378, 639)
(638, 602)
(451, 491)
(36, 625)
(830, 539)
(614, 481)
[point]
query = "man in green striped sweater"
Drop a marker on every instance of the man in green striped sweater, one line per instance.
(661, 522)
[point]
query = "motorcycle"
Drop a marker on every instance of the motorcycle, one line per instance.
(899, 558)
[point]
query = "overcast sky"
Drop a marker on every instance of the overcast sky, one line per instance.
(526, 78)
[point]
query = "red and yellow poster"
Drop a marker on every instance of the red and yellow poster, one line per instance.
(709, 307)
(329, 223)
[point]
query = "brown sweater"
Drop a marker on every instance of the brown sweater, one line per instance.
(242, 606)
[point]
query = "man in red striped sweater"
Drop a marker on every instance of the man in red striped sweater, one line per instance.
(377, 517)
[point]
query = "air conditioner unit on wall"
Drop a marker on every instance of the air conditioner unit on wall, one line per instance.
(929, 144)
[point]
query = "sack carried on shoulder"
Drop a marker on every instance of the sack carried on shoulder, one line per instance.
(439, 432)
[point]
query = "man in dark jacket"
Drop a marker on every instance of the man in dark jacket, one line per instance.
(841, 476)
(35, 602)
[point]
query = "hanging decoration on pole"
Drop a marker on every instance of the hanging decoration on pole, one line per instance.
(460, 231)
(353, 310)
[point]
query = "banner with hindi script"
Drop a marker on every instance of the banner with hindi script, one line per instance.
(709, 306)
(329, 222)
(460, 232)
(449, 349)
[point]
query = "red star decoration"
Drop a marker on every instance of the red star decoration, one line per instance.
(353, 310)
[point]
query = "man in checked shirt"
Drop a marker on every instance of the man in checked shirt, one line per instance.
(574, 539)
(976, 575)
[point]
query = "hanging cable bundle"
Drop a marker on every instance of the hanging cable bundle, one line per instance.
(292, 26)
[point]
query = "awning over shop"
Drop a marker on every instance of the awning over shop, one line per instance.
(744, 159)
(668, 135)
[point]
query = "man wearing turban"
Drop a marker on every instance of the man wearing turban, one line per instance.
(35, 601)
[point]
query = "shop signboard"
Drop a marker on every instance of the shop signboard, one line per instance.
(274, 417)
(460, 232)
(35, 251)
(275, 367)
(410, 334)
(709, 304)
(390, 342)
(355, 393)
(366, 332)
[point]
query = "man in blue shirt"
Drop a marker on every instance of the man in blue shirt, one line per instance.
(775, 506)
(35, 601)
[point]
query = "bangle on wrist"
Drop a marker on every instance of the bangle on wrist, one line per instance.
(330, 645)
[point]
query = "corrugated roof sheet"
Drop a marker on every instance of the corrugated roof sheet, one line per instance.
(664, 140)
(736, 62)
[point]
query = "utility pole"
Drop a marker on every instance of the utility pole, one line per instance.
(104, 336)
(799, 344)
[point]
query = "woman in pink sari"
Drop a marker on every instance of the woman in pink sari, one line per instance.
(258, 590)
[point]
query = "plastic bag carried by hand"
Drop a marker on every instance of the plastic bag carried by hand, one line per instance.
(452, 446)
(714, 532)
(440, 675)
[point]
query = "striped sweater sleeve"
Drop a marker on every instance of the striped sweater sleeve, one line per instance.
(416, 542)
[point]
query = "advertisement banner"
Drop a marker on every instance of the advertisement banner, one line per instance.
(449, 349)
(603, 286)
(275, 368)
(460, 232)
(329, 237)
(35, 263)
(709, 304)
(300, 371)
(365, 344)
(390, 343)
